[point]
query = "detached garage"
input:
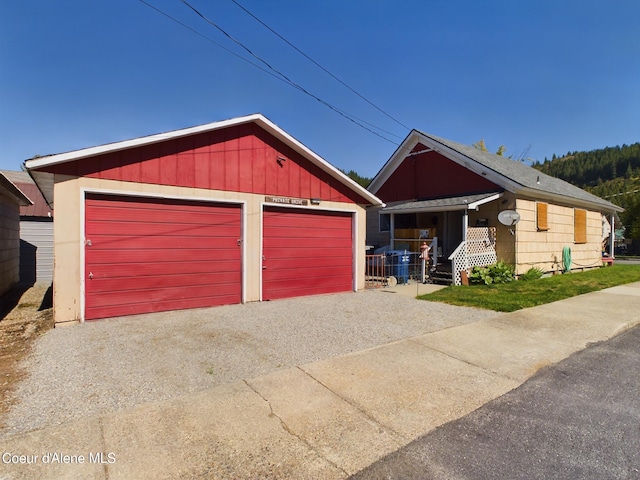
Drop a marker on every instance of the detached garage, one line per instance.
(223, 213)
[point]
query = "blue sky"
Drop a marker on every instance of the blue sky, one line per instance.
(540, 77)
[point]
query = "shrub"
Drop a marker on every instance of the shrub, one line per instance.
(532, 274)
(500, 272)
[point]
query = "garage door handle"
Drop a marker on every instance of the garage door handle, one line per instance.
(90, 275)
(264, 267)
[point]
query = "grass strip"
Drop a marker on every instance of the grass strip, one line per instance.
(509, 297)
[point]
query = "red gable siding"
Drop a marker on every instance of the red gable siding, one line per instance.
(431, 175)
(241, 158)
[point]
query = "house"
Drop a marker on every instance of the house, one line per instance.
(480, 208)
(229, 212)
(36, 232)
(11, 199)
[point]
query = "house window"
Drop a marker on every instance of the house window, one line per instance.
(385, 222)
(579, 226)
(542, 221)
(406, 220)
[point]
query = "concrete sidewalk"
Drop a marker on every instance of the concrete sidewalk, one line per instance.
(327, 419)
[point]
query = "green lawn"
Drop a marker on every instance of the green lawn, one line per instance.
(513, 296)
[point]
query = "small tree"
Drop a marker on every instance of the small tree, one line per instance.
(480, 145)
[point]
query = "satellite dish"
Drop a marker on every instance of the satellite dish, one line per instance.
(509, 217)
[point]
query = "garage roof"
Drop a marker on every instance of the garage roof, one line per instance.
(38, 163)
(8, 188)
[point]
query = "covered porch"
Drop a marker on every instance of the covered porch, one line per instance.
(461, 231)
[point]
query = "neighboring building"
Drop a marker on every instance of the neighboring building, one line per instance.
(11, 199)
(434, 187)
(229, 212)
(36, 232)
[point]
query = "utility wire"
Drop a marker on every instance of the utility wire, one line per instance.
(287, 79)
(319, 66)
(212, 41)
(250, 62)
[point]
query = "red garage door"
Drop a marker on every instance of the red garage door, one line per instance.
(149, 255)
(306, 253)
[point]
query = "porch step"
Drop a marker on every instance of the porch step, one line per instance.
(441, 277)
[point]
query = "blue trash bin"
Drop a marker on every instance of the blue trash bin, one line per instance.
(398, 264)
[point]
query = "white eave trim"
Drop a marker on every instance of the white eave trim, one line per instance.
(257, 118)
(474, 205)
(394, 161)
(14, 191)
(567, 200)
(416, 137)
(442, 208)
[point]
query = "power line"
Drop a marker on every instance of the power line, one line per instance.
(212, 41)
(319, 66)
(349, 117)
(352, 118)
(622, 193)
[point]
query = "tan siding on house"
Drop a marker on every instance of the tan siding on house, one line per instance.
(505, 246)
(375, 237)
(543, 249)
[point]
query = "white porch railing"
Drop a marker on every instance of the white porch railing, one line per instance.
(478, 250)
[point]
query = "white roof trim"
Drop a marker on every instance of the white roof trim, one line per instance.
(403, 151)
(416, 137)
(14, 191)
(257, 118)
(474, 205)
(562, 200)
(409, 143)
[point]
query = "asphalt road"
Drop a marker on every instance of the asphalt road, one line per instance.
(579, 419)
(627, 261)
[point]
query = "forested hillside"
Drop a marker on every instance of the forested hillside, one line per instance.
(353, 175)
(612, 173)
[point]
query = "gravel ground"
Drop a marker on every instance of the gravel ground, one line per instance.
(108, 365)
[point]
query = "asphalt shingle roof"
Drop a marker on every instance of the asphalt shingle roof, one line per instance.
(453, 203)
(522, 174)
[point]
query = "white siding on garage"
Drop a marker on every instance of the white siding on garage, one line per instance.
(36, 250)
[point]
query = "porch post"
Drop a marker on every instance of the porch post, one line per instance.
(465, 224)
(392, 230)
(612, 237)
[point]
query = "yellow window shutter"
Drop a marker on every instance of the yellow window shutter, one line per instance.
(580, 225)
(541, 216)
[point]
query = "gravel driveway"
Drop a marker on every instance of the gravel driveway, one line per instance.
(118, 363)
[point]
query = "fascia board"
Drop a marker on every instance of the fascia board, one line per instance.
(444, 208)
(135, 142)
(565, 200)
(317, 160)
(410, 142)
(473, 166)
(394, 161)
(257, 118)
(12, 189)
(474, 205)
